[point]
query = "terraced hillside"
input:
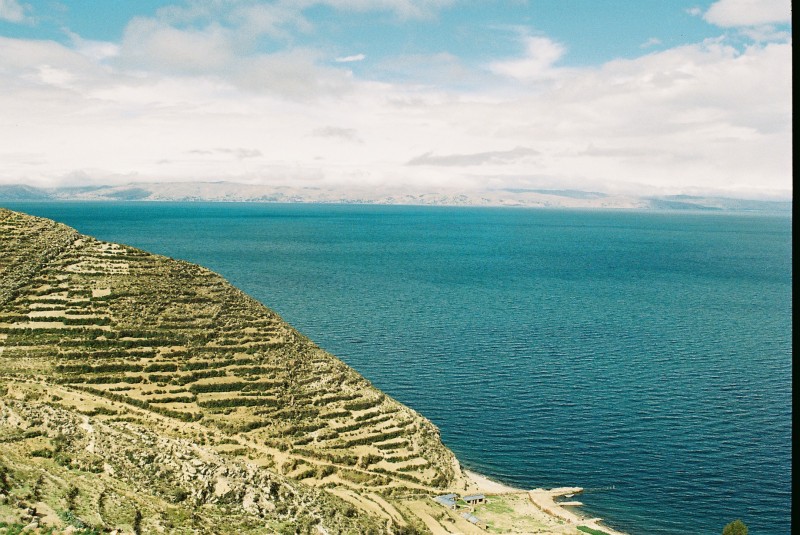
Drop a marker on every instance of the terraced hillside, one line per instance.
(146, 394)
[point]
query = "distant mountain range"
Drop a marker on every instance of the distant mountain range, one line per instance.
(233, 192)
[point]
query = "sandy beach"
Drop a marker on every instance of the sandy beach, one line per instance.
(544, 501)
(486, 486)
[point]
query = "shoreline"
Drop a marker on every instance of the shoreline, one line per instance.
(489, 486)
(544, 500)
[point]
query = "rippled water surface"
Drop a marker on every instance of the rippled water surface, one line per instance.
(643, 356)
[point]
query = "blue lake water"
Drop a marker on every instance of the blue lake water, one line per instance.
(644, 356)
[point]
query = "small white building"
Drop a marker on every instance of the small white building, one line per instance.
(474, 499)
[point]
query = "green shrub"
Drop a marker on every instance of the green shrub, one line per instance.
(365, 404)
(737, 527)
(370, 439)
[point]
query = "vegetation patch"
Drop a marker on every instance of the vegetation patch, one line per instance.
(591, 531)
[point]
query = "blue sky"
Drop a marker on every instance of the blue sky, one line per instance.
(551, 93)
(593, 32)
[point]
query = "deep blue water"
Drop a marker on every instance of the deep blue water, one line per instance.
(643, 356)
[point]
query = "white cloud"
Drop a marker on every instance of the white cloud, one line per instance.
(239, 153)
(12, 11)
(227, 54)
(430, 70)
(350, 59)
(294, 75)
(541, 54)
(95, 50)
(734, 13)
(273, 20)
(197, 103)
(480, 158)
(653, 41)
(154, 45)
(409, 9)
(762, 34)
(337, 132)
(25, 62)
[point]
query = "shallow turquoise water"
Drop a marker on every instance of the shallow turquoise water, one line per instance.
(643, 356)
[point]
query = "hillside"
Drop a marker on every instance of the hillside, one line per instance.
(144, 394)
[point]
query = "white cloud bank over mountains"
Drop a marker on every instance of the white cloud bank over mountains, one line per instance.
(183, 97)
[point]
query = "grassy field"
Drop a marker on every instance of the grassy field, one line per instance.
(514, 513)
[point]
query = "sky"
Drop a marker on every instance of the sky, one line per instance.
(620, 96)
